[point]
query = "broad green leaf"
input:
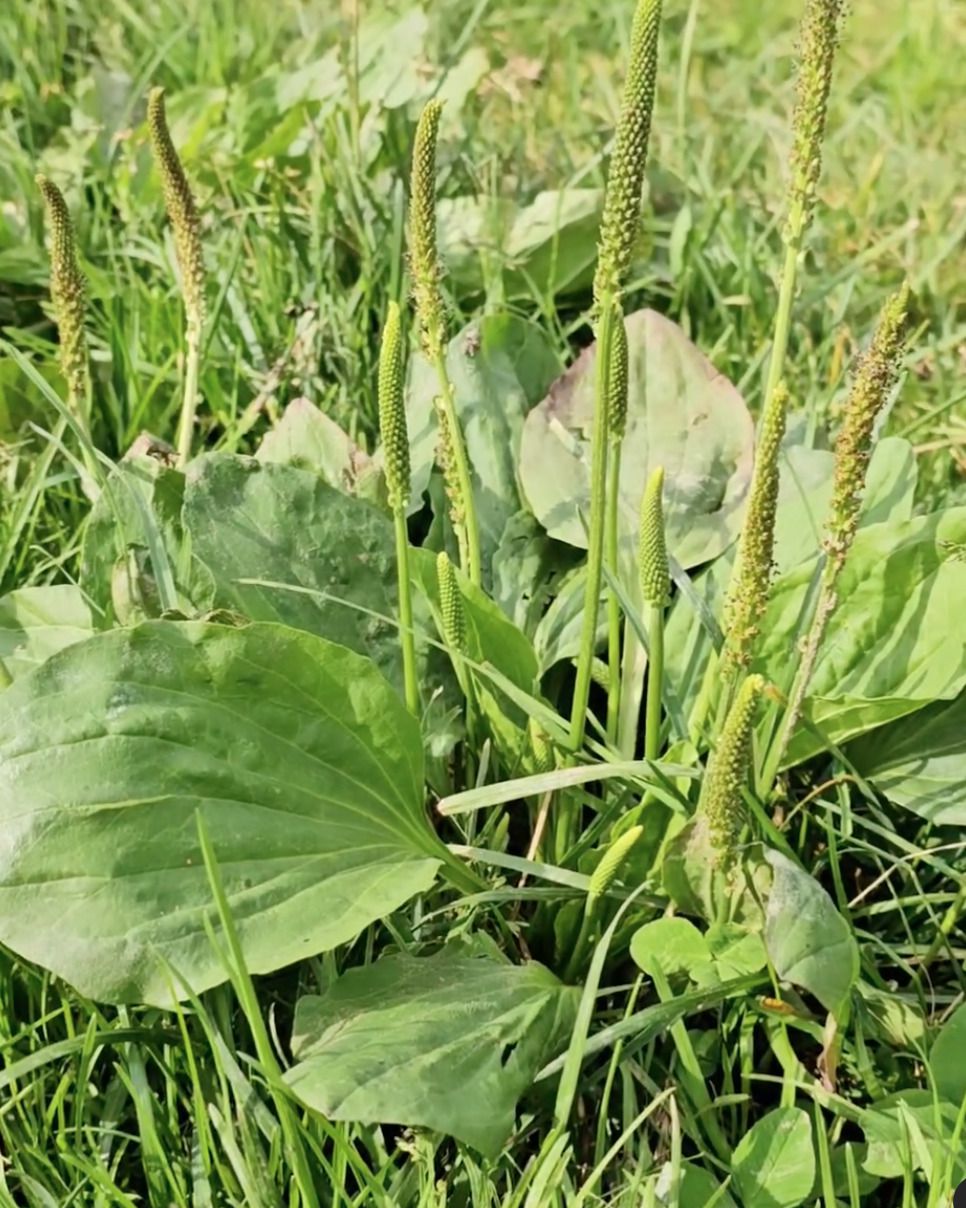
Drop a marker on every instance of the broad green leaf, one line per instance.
(897, 1021)
(696, 1189)
(897, 639)
(805, 493)
(136, 523)
(447, 1042)
(697, 886)
(282, 525)
(387, 59)
(499, 366)
(682, 415)
(805, 490)
(947, 1059)
(548, 246)
(527, 570)
(36, 622)
(304, 763)
(559, 632)
(674, 944)
(735, 951)
(808, 941)
(893, 1126)
(491, 637)
(920, 761)
(309, 439)
(774, 1162)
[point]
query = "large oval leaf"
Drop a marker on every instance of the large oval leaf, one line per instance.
(326, 561)
(897, 639)
(682, 414)
(774, 1162)
(449, 1042)
(304, 763)
(808, 941)
(920, 762)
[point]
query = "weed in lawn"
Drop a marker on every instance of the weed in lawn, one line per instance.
(726, 972)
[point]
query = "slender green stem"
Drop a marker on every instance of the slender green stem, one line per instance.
(632, 680)
(595, 539)
(824, 607)
(655, 683)
(469, 539)
(579, 946)
(706, 695)
(406, 636)
(783, 315)
(613, 604)
(189, 405)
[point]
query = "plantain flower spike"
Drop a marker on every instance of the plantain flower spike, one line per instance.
(875, 378)
(392, 412)
(610, 864)
(751, 580)
(652, 549)
(423, 252)
(67, 293)
(542, 755)
(721, 805)
(625, 180)
(450, 603)
(818, 42)
(617, 378)
(182, 211)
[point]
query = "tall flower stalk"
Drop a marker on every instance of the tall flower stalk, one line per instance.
(395, 444)
(452, 617)
(616, 427)
(721, 809)
(751, 577)
(425, 271)
(818, 42)
(876, 376)
(655, 590)
(183, 216)
(618, 232)
(68, 291)
(603, 875)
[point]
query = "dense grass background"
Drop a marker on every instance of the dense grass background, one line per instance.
(301, 180)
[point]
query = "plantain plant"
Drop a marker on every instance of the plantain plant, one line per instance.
(271, 742)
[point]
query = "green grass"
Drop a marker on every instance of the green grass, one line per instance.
(303, 226)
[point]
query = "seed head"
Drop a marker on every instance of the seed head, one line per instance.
(392, 411)
(751, 579)
(652, 547)
(876, 375)
(67, 292)
(818, 42)
(617, 378)
(423, 252)
(182, 212)
(450, 603)
(610, 863)
(721, 805)
(542, 755)
(622, 201)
